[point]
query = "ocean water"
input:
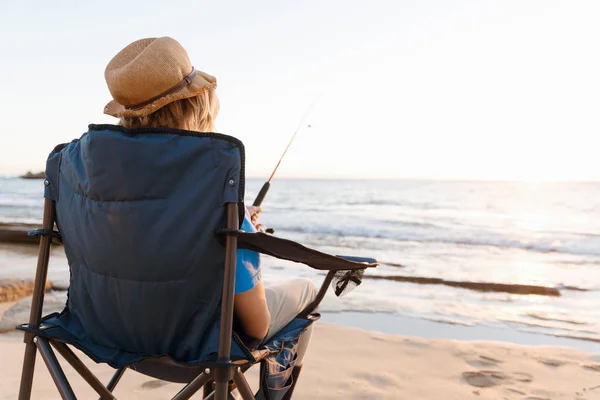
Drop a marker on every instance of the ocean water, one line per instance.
(469, 234)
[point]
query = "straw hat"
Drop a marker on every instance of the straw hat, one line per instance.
(149, 74)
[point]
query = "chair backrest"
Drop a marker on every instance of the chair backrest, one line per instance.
(137, 211)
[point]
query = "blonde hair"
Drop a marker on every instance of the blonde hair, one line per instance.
(197, 113)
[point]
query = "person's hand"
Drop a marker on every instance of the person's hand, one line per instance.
(254, 213)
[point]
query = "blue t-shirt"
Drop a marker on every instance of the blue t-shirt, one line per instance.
(247, 268)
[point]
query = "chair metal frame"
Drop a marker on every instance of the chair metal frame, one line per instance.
(221, 372)
(218, 379)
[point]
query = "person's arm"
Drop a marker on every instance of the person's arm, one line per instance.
(250, 303)
(251, 310)
(254, 214)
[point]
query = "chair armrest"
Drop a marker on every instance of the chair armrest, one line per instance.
(289, 250)
(364, 260)
(320, 295)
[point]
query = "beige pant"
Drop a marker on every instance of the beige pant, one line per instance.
(285, 301)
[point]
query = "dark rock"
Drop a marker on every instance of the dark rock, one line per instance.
(17, 233)
(19, 312)
(16, 289)
(32, 175)
(60, 285)
(477, 286)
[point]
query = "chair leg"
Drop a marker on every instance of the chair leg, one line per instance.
(37, 302)
(191, 388)
(242, 385)
(208, 389)
(82, 370)
(295, 374)
(221, 390)
(115, 379)
(27, 373)
(210, 396)
(57, 373)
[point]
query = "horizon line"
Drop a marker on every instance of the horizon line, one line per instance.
(430, 179)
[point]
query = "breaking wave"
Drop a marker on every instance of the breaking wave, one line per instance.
(539, 245)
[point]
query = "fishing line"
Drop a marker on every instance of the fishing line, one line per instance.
(267, 185)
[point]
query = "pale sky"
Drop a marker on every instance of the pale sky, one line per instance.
(406, 89)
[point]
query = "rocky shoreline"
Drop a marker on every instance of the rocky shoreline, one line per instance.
(16, 289)
(33, 175)
(17, 233)
(16, 296)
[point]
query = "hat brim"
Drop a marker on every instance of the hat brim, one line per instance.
(202, 81)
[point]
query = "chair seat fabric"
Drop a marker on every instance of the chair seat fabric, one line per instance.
(62, 327)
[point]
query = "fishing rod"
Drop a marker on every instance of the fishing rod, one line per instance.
(267, 185)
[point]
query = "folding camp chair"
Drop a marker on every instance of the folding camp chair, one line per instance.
(150, 221)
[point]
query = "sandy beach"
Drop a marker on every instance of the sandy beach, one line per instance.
(351, 359)
(347, 363)
(342, 362)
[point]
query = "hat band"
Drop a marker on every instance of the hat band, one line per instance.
(186, 81)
